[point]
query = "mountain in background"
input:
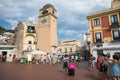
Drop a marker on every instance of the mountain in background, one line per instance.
(2, 30)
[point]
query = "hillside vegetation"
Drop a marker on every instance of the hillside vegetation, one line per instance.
(2, 30)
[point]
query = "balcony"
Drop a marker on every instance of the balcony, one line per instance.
(116, 39)
(98, 41)
(115, 25)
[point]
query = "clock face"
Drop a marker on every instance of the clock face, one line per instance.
(44, 20)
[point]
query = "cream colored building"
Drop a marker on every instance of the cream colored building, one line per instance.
(69, 47)
(47, 29)
(25, 37)
(42, 36)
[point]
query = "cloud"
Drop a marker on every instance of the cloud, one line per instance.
(71, 34)
(71, 13)
(13, 23)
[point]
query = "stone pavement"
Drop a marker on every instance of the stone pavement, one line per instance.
(16, 71)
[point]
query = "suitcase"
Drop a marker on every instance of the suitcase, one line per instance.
(71, 72)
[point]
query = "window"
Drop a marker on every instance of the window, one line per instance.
(65, 50)
(60, 50)
(118, 54)
(98, 37)
(114, 20)
(99, 52)
(29, 42)
(96, 22)
(70, 49)
(35, 42)
(31, 29)
(116, 34)
(53, 12)
(10, 55)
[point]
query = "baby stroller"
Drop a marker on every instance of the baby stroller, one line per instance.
(71, 69)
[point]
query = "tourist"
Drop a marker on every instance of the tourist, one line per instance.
(73, 58)
(91, 63)
(104, 67)
(0, 58)
(54, 59)
(99, 60)
(76, 58)
(65, 62)
(115, 70)
(119, 67)
(29, 58)
(4, 57)
(59, 59)
(14, 57)
(44, 59)
(47, 59)
(79, 60)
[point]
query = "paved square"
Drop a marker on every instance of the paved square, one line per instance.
(16, 71)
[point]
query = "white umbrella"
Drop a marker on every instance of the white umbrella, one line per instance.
(37, 52)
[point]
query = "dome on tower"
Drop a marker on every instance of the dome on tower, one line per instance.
(48, 6)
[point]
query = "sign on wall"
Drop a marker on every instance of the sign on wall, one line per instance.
(6, 48)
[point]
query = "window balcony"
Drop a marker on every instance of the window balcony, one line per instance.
(116, 38)
(98, 40)
(115, 25)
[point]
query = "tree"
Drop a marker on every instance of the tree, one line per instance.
(2, 30)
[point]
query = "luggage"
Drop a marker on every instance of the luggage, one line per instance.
(71, 69)
(71, 72)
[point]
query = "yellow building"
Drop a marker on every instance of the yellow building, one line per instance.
(25, 37)
(47, 29)
(69, 47)
(105, 30)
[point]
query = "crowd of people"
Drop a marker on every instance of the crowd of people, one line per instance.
(47, 59)
(106, 66)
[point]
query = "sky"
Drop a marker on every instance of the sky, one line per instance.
(72, 14)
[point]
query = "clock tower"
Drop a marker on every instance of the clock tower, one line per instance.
(47, 28)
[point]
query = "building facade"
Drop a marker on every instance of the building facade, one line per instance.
(47, 29)
(8, 51)
(87, 42)
(105, 30)
(41, 36)
(7, 47)
(69, 47)
(25, 37)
